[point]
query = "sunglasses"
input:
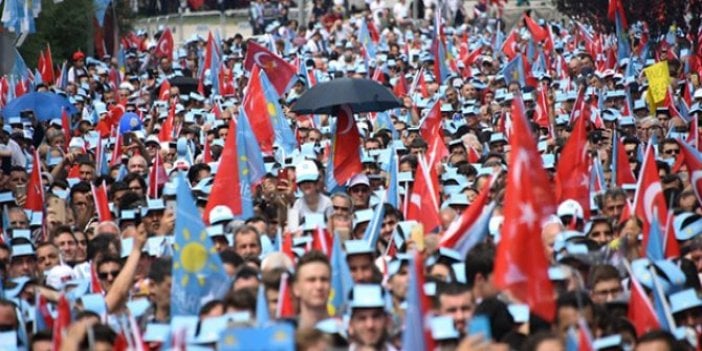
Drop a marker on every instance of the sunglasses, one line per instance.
(672, 151)
(104, 275)
(340, 208)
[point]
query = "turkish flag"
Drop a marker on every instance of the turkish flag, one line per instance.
(35, 190)
(649, 197)
(322, 241)
(66, 126)
(693, 160)
(641, 312)
(573, 169)
(286, 306)
(226, 189)
(206, 152)
(470, 58)
(164, 46)
(509, 47)
(256, 107)
(166, 132)
(423, 204)
(279, 71)
(164, 92)
(102, 205)
(538, 33)
(400, 88)
(345, 146)
(61, 323)
(521, 265)
(459, 228)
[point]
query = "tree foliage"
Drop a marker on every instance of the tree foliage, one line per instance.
(658, 14)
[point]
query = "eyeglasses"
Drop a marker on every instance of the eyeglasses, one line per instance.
(671, 151)
(613, 291)
(605, 233)
(340, 208)
(104, 275)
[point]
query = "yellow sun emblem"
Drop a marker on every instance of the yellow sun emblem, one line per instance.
(272, 110)
(193, 258)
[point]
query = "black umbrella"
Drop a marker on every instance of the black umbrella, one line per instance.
(186, 85)
(362, 95)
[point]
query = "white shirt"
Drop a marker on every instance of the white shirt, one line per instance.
(400, 11)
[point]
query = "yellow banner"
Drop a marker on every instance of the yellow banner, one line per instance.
(658, 81)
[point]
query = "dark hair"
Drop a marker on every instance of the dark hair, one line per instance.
(41, 335)
(117, 186)
(210, 305)
(101, 333)
(80, 187)
(194, 171)
(62, 229)
(271, 278)
(663, 336)
(451, 289)
(533, 342)
(480, 260)
(231, 257)
(160, 268)
(100, 243)
(501, 321)
(242, 299)
(107, 259)
(601, 273)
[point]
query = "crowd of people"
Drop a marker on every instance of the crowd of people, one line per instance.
(535, 189)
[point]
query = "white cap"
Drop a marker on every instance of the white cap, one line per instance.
(58, 276)
(570, 207)
(221, 213)
(306, 171)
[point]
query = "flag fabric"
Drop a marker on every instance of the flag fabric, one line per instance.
(164, 46)
(61, 322)
(256, 105)
(423, 203)
(640, 312)
(393, 194)
(157, 176)
(655, 248)
(477, 232)
(541, 114)
(102, 206)
(621, 171)
(416, 334)
(345, 160)
(573, 168)
(283, 135)
(198, 275)
(441, 70)
(538, 33)
(164, 92)
(262, 314)
(649, 196)
(400, 88)
(322, 241)
(693, 160)
(372, 232)
(279, 71)
(514, 71)
(166, 132)
(521, 265)
(462, 226)
(285, 307)
(35, 188)
(341, 281)
(42, 319)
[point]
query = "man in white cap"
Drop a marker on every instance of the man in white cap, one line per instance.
(312, 200)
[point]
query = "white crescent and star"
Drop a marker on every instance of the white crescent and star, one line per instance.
(650, 197)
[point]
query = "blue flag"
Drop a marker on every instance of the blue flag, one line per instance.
(413, 333)
(658, 302)
(383, 121)
(655, 247)
(251, 167)
(623, 49)
(391, 170)
(341, 281)
(372, 232)
(514, 71)
(262, 315)
(198, 274)
(20, 68)
(365, 38)
(284, 136)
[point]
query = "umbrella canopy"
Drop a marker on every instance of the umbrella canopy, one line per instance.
(186, 85)
(46, 106)
(362, 95)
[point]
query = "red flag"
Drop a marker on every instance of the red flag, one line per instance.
(164, 92)
(573, 170)
(226, 189)
(624, 173)
(47, 73)
(95, 286)
(470, 58)
(157, 177)
(164, 46)
(117, 152)
(41, 66)
(345, 146)
(286, 307)
(538, 33)
(256, 106)
(102, 205)
(541, 115)
(669, 102)
(66, 126)
(287, 246)
(649, 197)
(279, 71)
(35, 190)
(45, 314)
(322, 241)
(473, 155)
(62, 321)
(509, 47)
(166, 132)
(423, 203)
(206, 152)
(400, 88)
(641, 312)
(521, 265)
